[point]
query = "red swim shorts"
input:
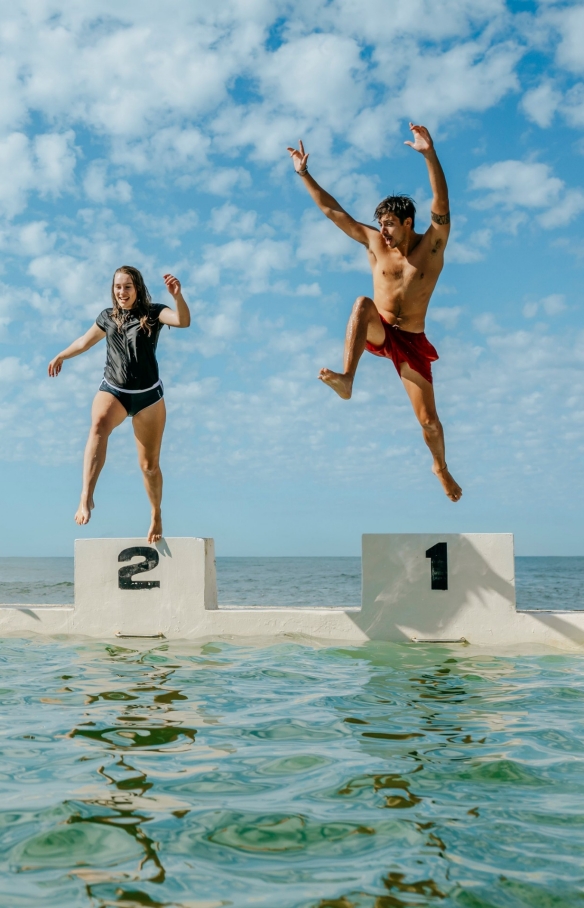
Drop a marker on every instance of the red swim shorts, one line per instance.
(406, 347)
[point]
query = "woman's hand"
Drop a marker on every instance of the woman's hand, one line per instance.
(172, 285)
(55, 366)
(89, 339)
(181, 317)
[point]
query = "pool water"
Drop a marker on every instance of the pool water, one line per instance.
(289, 776)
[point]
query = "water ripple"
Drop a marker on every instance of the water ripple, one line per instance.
(379, 776)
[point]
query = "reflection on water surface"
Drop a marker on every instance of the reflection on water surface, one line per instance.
(379, 776)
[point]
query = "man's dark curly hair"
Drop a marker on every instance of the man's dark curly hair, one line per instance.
(401, 205)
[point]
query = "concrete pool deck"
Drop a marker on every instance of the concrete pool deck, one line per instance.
(415, 588)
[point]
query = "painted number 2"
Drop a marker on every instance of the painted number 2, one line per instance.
(125, 574)
(438, 555)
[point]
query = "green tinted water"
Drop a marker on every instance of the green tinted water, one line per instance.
(378, 776)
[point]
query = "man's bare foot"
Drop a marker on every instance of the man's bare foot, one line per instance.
(155, 531)
(83, 514)
(342, 384)
(449, 485)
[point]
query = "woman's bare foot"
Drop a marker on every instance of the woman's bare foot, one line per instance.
(342, 384)
(155, 531)
(83, 514)
(449, 485)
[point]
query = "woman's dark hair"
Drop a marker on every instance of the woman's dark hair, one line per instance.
(143, 299)
(401, 205)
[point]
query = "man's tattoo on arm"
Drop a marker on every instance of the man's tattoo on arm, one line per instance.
(441, 218)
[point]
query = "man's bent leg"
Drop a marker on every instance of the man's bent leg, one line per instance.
(148, 428)
(364, 325)
(421, 394)
(106, 413)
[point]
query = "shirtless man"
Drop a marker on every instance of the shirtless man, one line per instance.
(406, 266)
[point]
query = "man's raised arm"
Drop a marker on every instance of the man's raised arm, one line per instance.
(440, 205)
(327, 204)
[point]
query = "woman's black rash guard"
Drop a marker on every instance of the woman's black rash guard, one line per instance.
(131, 353)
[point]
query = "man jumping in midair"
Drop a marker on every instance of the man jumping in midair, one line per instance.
(406, 266)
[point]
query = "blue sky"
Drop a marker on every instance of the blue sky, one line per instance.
(154, 135)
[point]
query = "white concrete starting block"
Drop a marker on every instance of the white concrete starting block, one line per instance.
(434, 588)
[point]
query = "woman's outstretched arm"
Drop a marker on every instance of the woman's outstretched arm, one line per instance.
(181, 317)
(89, 339)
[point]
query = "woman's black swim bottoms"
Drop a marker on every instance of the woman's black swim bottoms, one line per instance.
(134, 401)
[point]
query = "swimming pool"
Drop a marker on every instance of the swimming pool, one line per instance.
(291, 775)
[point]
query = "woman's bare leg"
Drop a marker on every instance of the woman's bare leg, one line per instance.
(364, 325)
(106, 413)
(148, 429)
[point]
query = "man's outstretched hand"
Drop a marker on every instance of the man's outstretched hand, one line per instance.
(299, 158)
(422, 139)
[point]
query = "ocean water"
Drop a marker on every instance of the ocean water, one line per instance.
(290, 776)
(542, 583)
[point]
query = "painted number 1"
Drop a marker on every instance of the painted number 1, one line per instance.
(125, 574)
(438, 555)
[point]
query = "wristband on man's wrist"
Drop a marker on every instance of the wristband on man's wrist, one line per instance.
(302, 173)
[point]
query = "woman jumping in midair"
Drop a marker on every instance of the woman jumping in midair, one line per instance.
(131, 386)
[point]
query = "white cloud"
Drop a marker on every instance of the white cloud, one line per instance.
(69, 275)
(167, 149)
(445, 315)
(223, 180)
(29, 239)
(320, 239)
(251, 260)
(429, 20)
(570, 22)
(486, 323)
(511, 386)
(540, 104)
(12, 370)
(17, 172)
(294, 342)
(170, 229)
(571, 205)
(320, 86)
(552, 305)
(572, 245)
(464, 250)
(45, 164)
(185, 394)
(464, 78)
(217, 326)
(97, 188)
(321, 76)
(573, 106)
(55, 161)
(511, 184)
(110, 71)
(308, 289)
(181, 97)
(76, 274)
(125, 78)
(232, 221)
